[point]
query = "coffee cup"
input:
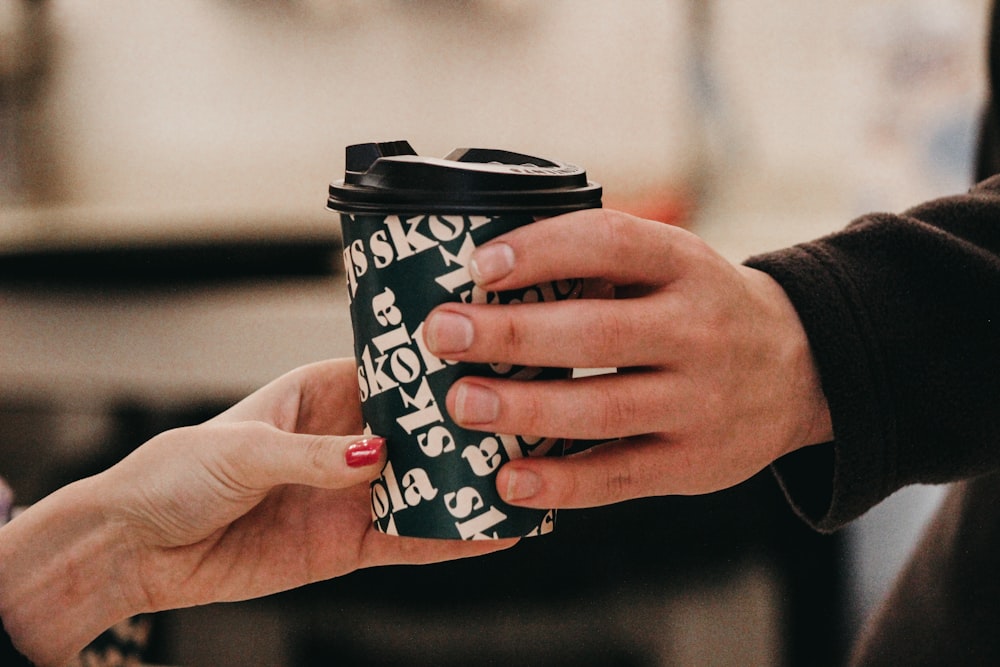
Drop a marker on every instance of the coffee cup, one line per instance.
(409, 226)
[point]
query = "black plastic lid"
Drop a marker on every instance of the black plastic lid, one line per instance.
(391, 178)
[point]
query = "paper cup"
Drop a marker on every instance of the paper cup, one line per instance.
(407, 241)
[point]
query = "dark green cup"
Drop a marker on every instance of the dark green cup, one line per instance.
(409, 225)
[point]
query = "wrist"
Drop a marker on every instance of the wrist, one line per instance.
(59, 575)
(815, 425)
(803, 405)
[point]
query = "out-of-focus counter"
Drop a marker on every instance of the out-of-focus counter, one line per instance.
(164, 344)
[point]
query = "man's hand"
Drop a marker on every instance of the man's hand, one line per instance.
(715, 378)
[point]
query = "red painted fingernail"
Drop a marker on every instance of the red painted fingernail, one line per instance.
(364, 452)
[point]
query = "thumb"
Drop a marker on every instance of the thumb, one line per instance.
(259, 456)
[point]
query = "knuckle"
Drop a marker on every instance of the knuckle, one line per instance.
(689, 250)
(566, 486)
(612, 227)
(532, 412)
(619, 484)
(566, 493)
(317, 455)
(511, 336)
(612, 221)
(617, 415)
(244, 437)
(611, 330)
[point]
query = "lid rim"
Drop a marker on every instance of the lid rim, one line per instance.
(458, 209)
(348, 195)
(392, 177)
(349, 189)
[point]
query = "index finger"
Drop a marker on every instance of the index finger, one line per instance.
(595, 243)
(319, 398)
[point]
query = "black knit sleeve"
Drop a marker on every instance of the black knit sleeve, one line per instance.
(903, 316)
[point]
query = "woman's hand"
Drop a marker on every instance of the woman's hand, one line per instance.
(715, 376)
(267, 496)
(251, 502)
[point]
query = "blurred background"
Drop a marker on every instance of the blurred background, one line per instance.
(164, 250)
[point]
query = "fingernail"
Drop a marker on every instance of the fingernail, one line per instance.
(448, 333)
(491, 262)
(522, 484)
(475, 404)
(364, 452)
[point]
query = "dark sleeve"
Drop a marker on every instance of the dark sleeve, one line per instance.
(903, 316)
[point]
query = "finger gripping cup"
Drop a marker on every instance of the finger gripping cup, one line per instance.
(409, 225)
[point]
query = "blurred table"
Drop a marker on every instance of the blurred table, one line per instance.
(166, 343)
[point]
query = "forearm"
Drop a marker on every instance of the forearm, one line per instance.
(61, 568)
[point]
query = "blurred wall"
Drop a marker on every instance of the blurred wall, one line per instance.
(823, 111)
(222, 110)
(153, 117)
